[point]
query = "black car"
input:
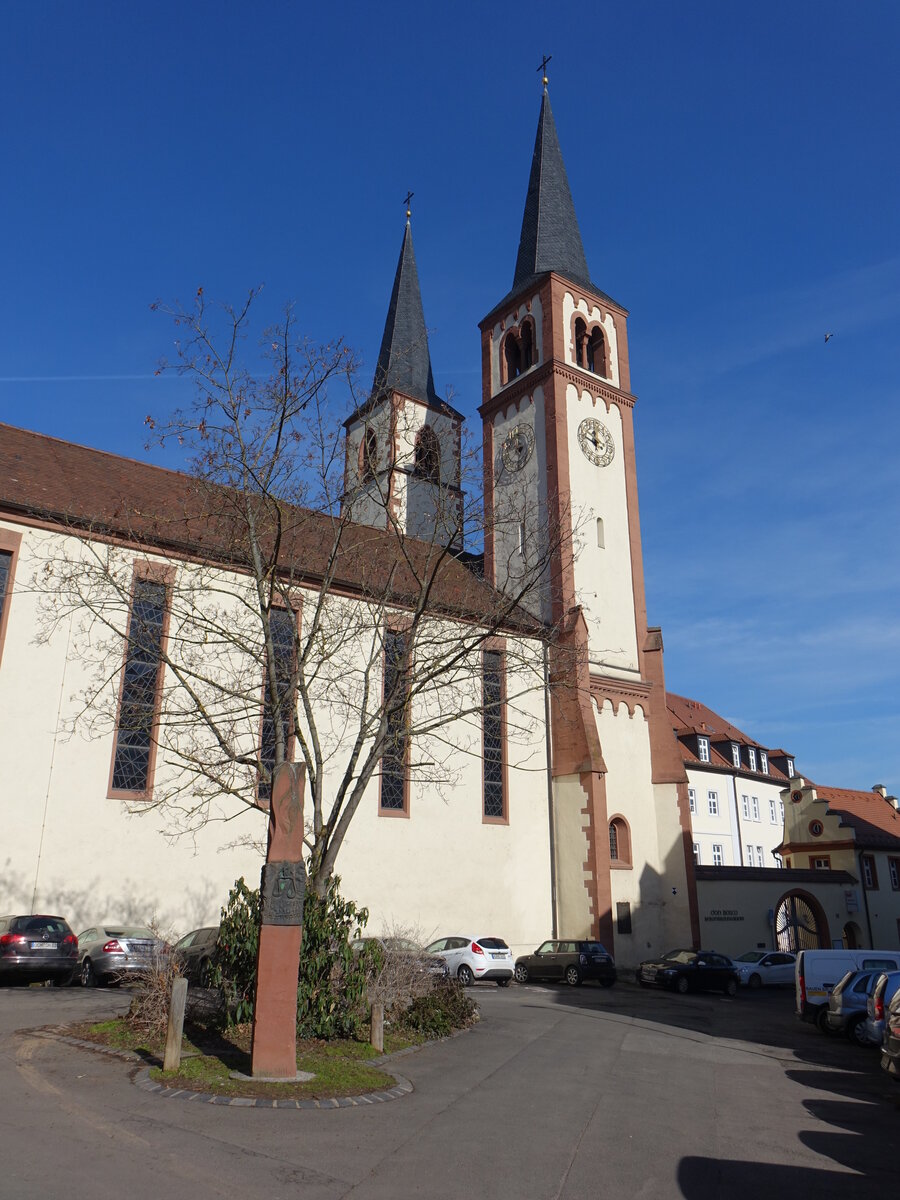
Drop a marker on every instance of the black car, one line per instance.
(572, 961)
(35, 948)
(690, 971)
(194, 952)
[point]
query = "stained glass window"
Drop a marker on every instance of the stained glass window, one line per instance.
(283, 624)
(393, 761)
(139, 698)
(492, 719)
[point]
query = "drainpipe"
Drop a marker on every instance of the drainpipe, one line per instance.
(737, 817)
(553, 916)
(865, 892)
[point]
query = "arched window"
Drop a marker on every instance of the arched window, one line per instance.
(428, 455)
(512, 352)
(619, 842)
(580, 339)
(368, 455)
(527, 345)
(596, 352)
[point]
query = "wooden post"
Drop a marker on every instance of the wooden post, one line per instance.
(377, 1033)
(176, 1025)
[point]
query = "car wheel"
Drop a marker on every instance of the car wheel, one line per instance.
(754, 982)
(64, 980)
(681, 985)
(465, 976)
(203, 972)
(856, 1031)
(573, 977)
(609, 982)
(521, 973)
(502, 983)
(731, 987)
(87, 975)
(822, 1021)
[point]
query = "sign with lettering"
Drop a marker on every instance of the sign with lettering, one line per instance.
(724, 914)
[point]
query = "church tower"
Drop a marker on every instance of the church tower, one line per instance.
(561, 482)
(403, 444)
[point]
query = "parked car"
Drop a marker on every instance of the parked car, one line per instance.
(690, 971)
(110, 953)
(35, 947)
(846, 1009)
(765, 968)
(194, 952)
(433, 963)
(472, 958)
(818, 972)
(572, 961)
(890, 1046)
(885, 987)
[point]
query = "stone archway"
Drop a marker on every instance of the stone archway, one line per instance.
(851, 936)
(800, 923)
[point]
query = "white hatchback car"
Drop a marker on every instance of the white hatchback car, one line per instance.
(470, 959)
(761, 968)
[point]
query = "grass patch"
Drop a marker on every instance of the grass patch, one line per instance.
(341, 1067)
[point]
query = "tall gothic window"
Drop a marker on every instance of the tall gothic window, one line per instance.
(493, 799)
(283, 625)
(428, 455)
(139, 698)
(368, 455)
(396, 696)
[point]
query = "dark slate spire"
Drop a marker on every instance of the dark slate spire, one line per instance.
(550, 238)
(404, 363)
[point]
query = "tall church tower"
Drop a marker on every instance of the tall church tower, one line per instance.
(403, 445)
(561, 479)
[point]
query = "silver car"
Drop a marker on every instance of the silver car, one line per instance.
(880, 996)
(111, 953)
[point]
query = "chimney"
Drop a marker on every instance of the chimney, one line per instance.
(894, 801)
(881, 790)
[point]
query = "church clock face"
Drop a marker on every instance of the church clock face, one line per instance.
(518, 446)
(596, 442)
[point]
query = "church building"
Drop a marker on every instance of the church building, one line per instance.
(581, 828)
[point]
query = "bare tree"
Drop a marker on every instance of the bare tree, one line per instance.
(302, 619)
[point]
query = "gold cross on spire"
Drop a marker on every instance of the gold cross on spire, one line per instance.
(409, 196)
(543, 67)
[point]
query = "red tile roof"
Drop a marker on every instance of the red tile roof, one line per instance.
(874, 820)
(90, 490)
(690, 717)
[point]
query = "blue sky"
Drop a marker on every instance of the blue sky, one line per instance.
(735, 174)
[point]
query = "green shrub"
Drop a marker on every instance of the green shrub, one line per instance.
(332, 980)
(445, 1008)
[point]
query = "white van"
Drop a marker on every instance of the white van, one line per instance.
(816, 972)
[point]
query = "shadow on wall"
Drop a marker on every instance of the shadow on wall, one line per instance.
(93, 903)
(658, 921)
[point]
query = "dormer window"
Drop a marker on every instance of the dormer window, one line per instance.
(428, 455)
(751, 752)
(368, 456)
(736, 755)
(790, 768)
(764, 762)
(703, 749)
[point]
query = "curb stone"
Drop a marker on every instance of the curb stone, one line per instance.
(402, 1086)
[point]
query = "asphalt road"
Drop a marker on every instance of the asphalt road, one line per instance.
(557, 1094)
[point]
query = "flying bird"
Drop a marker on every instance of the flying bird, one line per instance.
(828, 335)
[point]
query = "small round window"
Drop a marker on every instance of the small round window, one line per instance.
(796, 797)
(816, 828)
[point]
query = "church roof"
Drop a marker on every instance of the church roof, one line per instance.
(404, 364)
(550, 239)
(95, 493)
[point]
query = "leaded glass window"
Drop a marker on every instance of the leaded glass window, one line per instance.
(492, 724)
(396, 691)
(140, 683)
(613, 841)
(5, 566)
(283, 624)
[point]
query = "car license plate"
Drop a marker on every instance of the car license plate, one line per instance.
(43, 945)
(498, 956)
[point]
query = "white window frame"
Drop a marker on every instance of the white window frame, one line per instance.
(712, 801)
(745, 805)
(703, 749)
(773, 812)
(764, 762)
(697, 853)
(748, 857)
(754, 807)
(790, 768)
(692, 799)
(760, 856)
(781, 810)
(736, 755)
(718, 855)
(751, 755)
